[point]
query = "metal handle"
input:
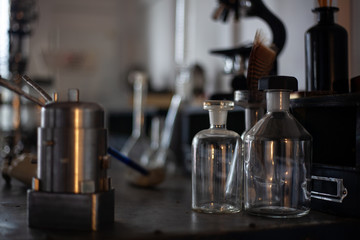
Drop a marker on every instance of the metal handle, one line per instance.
(37, 88)
(330, 183)
(12, 87)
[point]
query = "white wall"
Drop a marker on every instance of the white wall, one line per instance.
(205, 34)
(106, 35)
(160, 40)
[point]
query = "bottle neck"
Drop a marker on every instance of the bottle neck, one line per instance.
(325, 15)
(277, 101)
(252, 116)
(155, 132)
(218, 119)
(140, 92)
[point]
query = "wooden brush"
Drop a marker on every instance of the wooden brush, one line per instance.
(261, 61)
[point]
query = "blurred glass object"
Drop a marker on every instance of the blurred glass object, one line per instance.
(164, 157)
(158, 158)
(138, 142)
(184, 84)
(156, 127)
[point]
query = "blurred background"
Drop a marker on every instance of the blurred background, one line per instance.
(93, 45)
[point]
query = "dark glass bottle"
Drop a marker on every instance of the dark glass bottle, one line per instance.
(326, 52)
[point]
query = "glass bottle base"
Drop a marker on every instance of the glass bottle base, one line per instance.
(277, 212)
(216, 208)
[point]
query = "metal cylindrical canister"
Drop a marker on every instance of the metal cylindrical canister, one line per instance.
(72, 148)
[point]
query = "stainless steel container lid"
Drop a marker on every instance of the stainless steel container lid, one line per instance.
(72, 113)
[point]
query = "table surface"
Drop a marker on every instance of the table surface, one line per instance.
(165, 212)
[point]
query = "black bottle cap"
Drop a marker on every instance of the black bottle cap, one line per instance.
(239, 82)
(278, 82)
(325, 9)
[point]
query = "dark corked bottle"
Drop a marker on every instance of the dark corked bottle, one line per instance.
(326, 52)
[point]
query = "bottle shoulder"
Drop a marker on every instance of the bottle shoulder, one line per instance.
(278, 125)
(216, 136)
(217, 132)
(326, 28)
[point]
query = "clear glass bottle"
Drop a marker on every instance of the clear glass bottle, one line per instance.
(216, 166)
(277, 157)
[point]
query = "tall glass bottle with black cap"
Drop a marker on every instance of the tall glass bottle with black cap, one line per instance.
(277, 156)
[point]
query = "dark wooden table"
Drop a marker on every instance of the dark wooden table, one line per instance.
(164, 213)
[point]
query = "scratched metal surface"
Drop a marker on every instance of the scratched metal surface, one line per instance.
(164, 213)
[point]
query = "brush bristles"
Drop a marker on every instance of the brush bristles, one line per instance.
(260, 64)
(325, 3)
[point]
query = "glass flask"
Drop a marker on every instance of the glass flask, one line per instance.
(156, 126)
(216, 166)
(163, 157)
(277, 157)
(138, 142)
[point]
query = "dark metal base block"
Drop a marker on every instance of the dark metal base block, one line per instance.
(70, 211)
